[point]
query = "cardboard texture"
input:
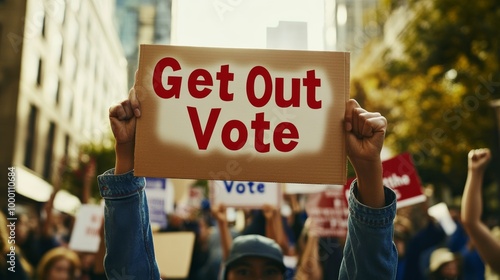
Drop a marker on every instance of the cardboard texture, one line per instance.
(174, 251)
(242, 114)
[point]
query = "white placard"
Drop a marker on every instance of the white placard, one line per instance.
(86, 236)
(245, 194)
(441, 213)
(291, 188)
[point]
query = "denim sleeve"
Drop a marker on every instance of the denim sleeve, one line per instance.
(129, 242)
(370, 252)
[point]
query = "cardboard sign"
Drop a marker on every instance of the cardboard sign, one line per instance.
(245, 194)
(400, 174)
(173, 252)
(328, 211)
(242, 115)
(85, 236)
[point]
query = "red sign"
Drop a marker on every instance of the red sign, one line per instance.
(328, 211)
(399, 174)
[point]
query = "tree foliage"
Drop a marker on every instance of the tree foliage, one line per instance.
(94, 159)
(434, 84)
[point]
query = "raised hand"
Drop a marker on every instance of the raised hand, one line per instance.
(364, 141)
(366, 133)
(122, 118)
(479, 159)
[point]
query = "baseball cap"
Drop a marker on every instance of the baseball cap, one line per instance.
(254, 245)
(439, 257)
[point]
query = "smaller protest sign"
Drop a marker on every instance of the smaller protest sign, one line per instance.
(400, 174)
(174, 251)
(160, 195)
(291, 188)
(441, 213)
(245, 194)
(86, 236)
(328, 211)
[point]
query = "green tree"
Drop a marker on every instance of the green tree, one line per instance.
(94, 159)
(435, 84)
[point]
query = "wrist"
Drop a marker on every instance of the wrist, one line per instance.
(476, 171)
(372, 167)
(124, 157)
(222, 222)
(370, 184)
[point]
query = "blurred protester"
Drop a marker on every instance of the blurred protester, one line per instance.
(36, 235)
(472, 264)
(459, 243)
(92, 267)
(420, 246)
(472, 206)
(402, 233)
(59, 264)
(309, 264)
(444, 265)
(13, 265)
(201, 252)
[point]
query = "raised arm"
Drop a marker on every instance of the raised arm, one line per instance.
(219, 212)
(274, 226)
(369, 252)
(127, 230)
(309, 265)
(365, 138)
(472, 207)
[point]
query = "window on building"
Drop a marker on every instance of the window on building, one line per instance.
(66, 145)
(58, 92)
(71, 106)
(49, 151)
(62, 55)
(63, 3)
(29, 150)
(44, 22)
(39, 74)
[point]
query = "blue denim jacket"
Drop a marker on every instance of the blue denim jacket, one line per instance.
(369, 252)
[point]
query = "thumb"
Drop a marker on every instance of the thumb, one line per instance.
(351, 105)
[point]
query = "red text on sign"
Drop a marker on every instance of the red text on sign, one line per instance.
(284, 134)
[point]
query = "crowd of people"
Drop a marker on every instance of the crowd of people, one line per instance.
(37, 247)
(382, 242)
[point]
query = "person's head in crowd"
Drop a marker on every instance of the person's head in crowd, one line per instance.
(59, 264)
(6, 246)
(254, 257)
(402, 234)
(444, 264)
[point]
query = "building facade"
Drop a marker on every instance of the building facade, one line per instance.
(61, 68)
(142, 22)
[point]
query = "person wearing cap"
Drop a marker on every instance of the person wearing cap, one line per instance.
(444, 265)
(254, 256)
(369, 251)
